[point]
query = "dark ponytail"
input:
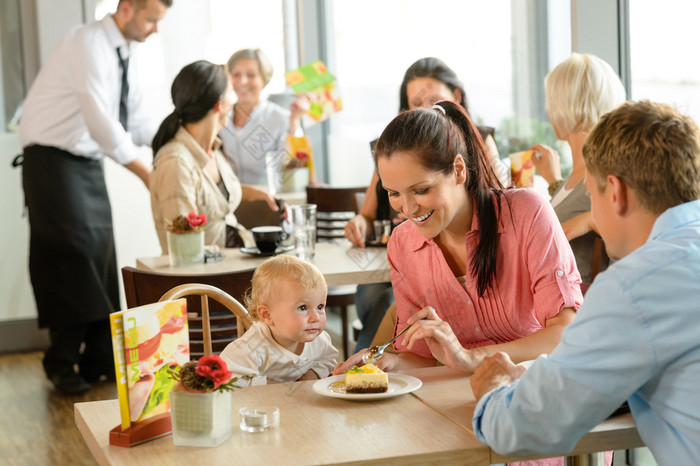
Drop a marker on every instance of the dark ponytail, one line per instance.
(195, 91)
(436, 137)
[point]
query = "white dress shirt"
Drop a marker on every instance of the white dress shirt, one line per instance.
(74, 102)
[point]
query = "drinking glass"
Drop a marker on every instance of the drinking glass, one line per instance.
(304, 230)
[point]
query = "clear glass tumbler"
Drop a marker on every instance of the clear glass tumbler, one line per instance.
(304, 230)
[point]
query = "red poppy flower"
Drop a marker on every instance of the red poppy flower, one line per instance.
(196, 220)
(215, 368)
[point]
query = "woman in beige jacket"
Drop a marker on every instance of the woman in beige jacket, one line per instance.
(190, 174)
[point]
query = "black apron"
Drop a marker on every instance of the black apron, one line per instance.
(72, 259)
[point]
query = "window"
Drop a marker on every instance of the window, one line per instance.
(661, 67)
(376, 41)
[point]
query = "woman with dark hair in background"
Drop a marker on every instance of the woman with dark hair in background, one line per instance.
(488, 267)
(425, 82)
(189, 171)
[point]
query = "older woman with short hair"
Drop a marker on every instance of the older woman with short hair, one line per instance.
(256, 127)
(578, 91)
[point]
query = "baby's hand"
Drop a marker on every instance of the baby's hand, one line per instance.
(309, 375)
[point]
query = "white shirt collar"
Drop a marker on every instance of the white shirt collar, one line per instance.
(115, 36)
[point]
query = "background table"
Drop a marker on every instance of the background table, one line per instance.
(431, 425)
(338, 261)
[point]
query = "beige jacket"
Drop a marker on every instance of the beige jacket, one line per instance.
(180, 185)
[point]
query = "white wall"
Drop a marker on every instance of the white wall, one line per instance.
(16, 300)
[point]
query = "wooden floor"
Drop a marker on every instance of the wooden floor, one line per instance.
(36, 423)
(37, 426)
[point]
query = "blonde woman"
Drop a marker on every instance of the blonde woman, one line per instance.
(578, 91)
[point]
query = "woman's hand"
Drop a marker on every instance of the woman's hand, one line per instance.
(546, 162)
(251, 193)
(579, 225)
(441, 340)
(386, 363)
(356, 230)
(297, 108)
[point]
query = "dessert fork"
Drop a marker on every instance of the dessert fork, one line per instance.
(375, 353)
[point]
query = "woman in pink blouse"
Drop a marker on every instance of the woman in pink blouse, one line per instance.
(489, 268)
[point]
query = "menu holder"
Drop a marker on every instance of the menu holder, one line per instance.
(150, 429)
(148, 342)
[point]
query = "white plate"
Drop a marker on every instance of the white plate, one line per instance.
(399, 384)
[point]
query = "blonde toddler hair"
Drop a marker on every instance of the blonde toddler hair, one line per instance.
(278, 268)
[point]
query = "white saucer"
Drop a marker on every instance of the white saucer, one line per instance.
(256, 252)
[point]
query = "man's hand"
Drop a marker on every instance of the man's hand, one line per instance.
(140, 169)
(495, 371)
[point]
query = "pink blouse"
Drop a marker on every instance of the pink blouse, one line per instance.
(536, 276)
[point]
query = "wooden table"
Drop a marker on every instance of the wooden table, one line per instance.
(446, 391)
(339, 261)
(432, 425)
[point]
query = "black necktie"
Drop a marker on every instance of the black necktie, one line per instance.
(125, 90)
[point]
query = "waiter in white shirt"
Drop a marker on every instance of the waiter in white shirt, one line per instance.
(83, 104)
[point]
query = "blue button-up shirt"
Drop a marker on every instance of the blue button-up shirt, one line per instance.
(635, 338)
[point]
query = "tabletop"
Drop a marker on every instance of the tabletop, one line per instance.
(450, 393)
(433, 424)
(339, 262)
(314, 429)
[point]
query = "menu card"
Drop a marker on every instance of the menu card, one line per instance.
(147, 341)
(315, 80)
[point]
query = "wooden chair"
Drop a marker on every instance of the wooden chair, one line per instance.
(221, 332)
(385, 331)
(335, 207)
(252, 214)
(145, 287)
(600, 260)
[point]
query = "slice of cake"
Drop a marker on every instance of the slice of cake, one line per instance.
(366, 379)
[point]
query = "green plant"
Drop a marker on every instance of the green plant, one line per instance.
(515, 135)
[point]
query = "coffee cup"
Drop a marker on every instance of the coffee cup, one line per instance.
(268, 238)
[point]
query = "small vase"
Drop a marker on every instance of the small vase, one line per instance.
(200, 419)
(185, 248)
(295, 180)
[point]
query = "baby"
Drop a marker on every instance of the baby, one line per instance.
(287, 342)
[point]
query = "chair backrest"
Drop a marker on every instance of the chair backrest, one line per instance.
(335, 207)
(145, 287)
(243, 320)
(385, 331)
(252, 214)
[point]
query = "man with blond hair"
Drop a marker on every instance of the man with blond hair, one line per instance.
(85, 103)
(634, 337)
